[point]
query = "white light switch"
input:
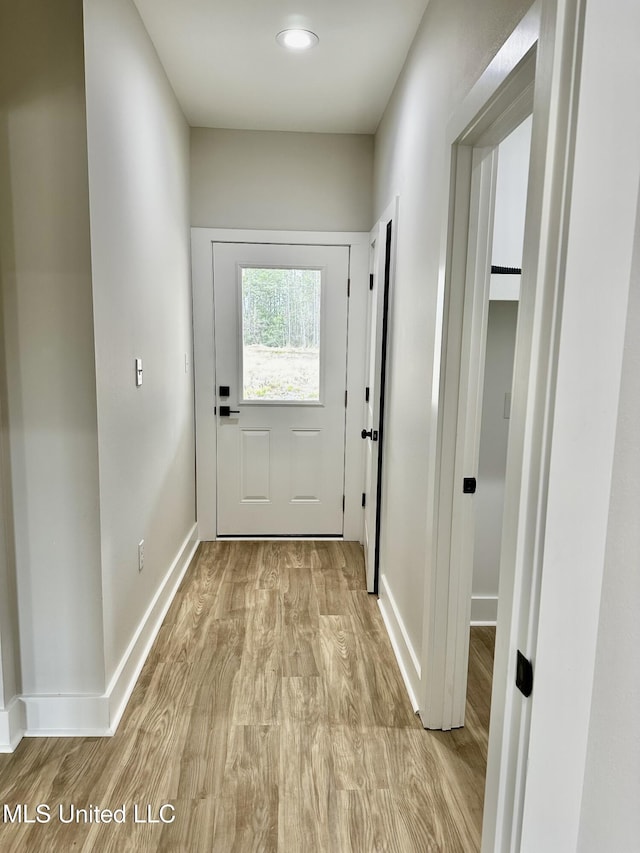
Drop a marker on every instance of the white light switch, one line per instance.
(138, 371)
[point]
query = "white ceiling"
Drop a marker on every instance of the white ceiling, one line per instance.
(228, 71)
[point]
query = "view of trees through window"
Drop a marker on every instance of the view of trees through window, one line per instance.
(281, 334)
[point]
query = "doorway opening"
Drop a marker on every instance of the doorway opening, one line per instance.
(476, 133)
(512, 170)
(499, 353)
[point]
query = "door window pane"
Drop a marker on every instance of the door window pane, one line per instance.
(281, 334)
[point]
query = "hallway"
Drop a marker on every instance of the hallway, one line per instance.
(272, 716)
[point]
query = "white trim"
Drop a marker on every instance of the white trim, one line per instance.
(204, 362)
(373, 348)
(484, 610)
(406, 656)
(126, 675)
(468, 381)
(66, 716)
(99, 716)
(356, 364)
(479, 107)
(12, 725)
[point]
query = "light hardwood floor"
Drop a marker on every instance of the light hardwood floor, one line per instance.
(272, 716)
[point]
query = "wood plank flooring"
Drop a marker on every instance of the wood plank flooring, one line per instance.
(271, 716)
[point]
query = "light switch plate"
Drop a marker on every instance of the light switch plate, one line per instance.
(138, 371)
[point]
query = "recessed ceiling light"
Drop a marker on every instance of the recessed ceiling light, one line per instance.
(297, 39)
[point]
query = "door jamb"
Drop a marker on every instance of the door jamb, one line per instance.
(385, 260)
(467, 409)
(204, 361)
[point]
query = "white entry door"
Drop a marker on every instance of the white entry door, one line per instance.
(280, 354)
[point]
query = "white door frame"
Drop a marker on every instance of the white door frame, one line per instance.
(461, 380)
(204, 361)
(375, 346)
(463, 303)
(461, 433)
(553, 32)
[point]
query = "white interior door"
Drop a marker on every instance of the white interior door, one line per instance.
(280, 353)
(374, 393)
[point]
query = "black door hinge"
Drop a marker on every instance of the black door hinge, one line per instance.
(364, 499)
(524, 674)
(366, 394)
(469, 486)
(346, 397)
(370, 281)
(348, 288)
(343, 503)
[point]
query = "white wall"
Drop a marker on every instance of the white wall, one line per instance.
(610, 818)
(511, 196)
(271, 180)
(510, 206)
(138, 179)
(48, 339)
(9, 647)
(454, 44)
(498, 374)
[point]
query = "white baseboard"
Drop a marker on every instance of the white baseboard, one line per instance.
(484, 610)
(12, 725)
(129, 668)
(98, 716)
(408, 661)
(66, 716)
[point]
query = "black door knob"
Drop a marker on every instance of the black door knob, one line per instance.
(366, 434)
(225, 411)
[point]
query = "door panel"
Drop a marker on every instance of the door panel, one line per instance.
(280, 347)
(255, 464)
(306, 454)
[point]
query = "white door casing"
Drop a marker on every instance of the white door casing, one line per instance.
(464, 307)
(382, 269)
(202, 240)
(370, 446)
